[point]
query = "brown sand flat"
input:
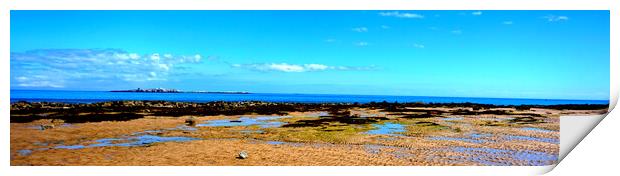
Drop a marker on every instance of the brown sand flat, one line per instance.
(443, 140)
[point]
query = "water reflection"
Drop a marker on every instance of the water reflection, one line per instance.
(529, 138)
(501, 157)
(387, 129)
(473, 138)
(133, 141)
(537, 129)
(262, 121)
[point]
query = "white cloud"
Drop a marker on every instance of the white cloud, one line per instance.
(385, 27)
(155, 57)
(361, 43)
(401, 15)
(554, 18)
(122, 56)
(360, 29)
(330, 40)
(40, 84)
(315, 66)
(21, 78)
(296, 68)
(477, 13)
(417, 45)
(59, 67)
(164, 67)
(507, 22)
(457, 32)
(38, 81)
(282, 67)
(134, 56)
(197, 58)
(285, 67)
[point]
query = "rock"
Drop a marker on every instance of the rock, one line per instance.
(243, 155)
(45, 127)
(58, 121)
(190, 121)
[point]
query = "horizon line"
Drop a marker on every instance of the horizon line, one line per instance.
(339, 94)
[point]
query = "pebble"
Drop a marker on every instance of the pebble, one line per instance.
(243, 155)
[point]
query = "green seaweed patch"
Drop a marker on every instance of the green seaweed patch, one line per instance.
(525, 120)
(332, 132)
(493, 123)
(424, 128)
(515, 122)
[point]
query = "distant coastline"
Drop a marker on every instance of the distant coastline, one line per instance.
(162, 90)
(103, 96)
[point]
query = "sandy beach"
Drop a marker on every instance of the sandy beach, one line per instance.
(347, 137)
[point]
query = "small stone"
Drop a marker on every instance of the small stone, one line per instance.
(45, 127)
(243, 155)
(190, 121)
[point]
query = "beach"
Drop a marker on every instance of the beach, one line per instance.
(279, 134)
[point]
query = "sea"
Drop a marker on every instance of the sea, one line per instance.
(102, 96)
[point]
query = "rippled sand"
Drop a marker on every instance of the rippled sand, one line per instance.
(443, 139)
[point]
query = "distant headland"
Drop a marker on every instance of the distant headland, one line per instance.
(162, 90)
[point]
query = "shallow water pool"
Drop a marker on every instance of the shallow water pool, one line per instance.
(537, 129)
(501, 157)
(262, 121)
(387, 129)
(473, 138)
(129, 141)
(451, 118)
(275, 142)
(24, 152)
(529, 138)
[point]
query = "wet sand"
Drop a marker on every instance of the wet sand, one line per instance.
(299, 138)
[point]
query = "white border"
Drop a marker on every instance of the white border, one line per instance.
(313, 4)
(6, 6)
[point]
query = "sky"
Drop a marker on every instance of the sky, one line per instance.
(500, 54)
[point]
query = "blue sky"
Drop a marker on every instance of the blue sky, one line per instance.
(507, 54)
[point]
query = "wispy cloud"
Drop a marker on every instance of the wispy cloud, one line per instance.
(477, 13)
(507, 22)
(38, 81)
(55, 68)
(297, 68)
(330, 40)
(456, 31)
(417, 45)
(554, 18)
(385, 27)
(401, 15)
(361, 43)
(360, 29)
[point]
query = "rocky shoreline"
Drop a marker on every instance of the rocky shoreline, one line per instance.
(126, 110)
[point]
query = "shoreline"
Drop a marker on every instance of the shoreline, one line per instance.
(95, 101)
(319, 94)
(127, 110)
(588, 106)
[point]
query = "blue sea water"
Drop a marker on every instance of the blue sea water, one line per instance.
(101, 96)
